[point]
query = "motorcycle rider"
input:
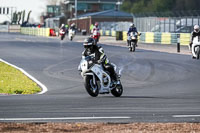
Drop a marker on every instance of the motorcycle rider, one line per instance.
(99, 56)
(132, 28)
(96, 28)
(63, 28)
(194, 33)
(73, 26)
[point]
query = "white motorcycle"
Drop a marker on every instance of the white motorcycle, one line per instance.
(132, 40)
(97, 80)
(196, 47)
(71, 34)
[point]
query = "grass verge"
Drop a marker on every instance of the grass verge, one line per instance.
(13, 81)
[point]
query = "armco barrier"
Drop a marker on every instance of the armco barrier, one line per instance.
(166, 38)
(174, 39)
(108, 33)
(149, 37)
(124, 34)
(142, 37)
(119, 35)
(113, 33)
(157, 37)
(36, 31)
(153, 37)
(184, 38)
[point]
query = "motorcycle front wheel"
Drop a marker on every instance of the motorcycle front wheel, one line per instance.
(198, 52)
(62, 37)
(71, 38)
(133, 46)
(90, 87)
(117, 91)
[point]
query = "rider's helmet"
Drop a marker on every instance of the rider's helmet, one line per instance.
(196, 28)
(96, 24)
(62, 25)
(132, 25)
(73, 24)
(89, 44)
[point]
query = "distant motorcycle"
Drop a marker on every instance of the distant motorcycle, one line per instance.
(96, 36)
(71, 34)
(196, 47)
(97, 80)
(132, 40)
(62, 34)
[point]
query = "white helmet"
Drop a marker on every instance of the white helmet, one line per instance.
(73, 24)
(196, 28)
(132, 25)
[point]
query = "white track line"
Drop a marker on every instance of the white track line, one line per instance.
(63, 118)
(44, 88)
(185, 116)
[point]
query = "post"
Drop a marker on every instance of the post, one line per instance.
(178, 43)
(75, 8)
(76, 13)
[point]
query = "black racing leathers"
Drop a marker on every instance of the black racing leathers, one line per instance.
(100, 57)
(193, 35)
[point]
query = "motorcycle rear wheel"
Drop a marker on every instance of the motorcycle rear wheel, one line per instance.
(117, 91)
(90, 87)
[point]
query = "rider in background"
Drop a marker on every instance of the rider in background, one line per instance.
(62, 27)
(73, 26)
(91, 28)
(194, 33)
(99, 56)
(96, 32)
(95, 27)
(67, 27)
(132, 28)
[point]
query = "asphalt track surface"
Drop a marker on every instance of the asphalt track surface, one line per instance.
(158, 86)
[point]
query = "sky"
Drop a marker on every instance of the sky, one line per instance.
(36, 6)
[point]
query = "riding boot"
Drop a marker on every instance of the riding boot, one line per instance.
(136, 43)
(128, 43)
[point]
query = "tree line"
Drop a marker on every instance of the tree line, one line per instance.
(146, 6)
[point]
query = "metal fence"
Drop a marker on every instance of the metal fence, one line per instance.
(166, 24)
(174, 22)
(114, 26)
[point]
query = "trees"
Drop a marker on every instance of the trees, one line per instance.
(141, 6)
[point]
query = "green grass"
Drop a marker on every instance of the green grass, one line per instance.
(13, 81)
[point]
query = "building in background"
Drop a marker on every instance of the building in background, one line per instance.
(88, 6)
(6, 14)
(108, 20)
(53, 11)
(65, 13)
(53, 16)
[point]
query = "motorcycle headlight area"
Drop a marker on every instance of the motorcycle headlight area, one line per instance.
(90, 63)
(86, 64)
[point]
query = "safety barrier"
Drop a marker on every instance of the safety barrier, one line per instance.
(151, 37)
(148, 37)
(36, 31)
(184, 39)
(166, 38)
